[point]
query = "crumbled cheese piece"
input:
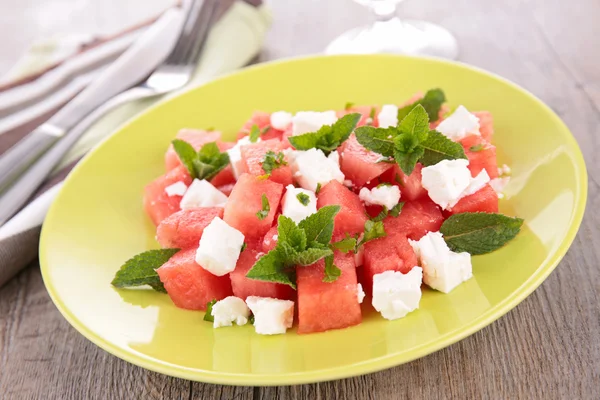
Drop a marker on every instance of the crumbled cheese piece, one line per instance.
(504, 170)
(271, 316)
(498, 184)
(388, 116)
(229, 310)
(360, 293)
(176, 189)
(293, 208)
(311, 121)
(387, 196)
(311, 167)
(280, 120)
(202, 193)
(396, 294)
(443, 269)
(459, 124)
(220, 247)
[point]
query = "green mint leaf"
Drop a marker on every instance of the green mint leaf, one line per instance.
(273, 161)
(479, 233)
(328, 137)
(271, 268)
(244, 246)
(254, 133)
(395, 211)
(251, 319)
(262, 214)
(414, 129)
(318, 189)
(477, 147)
(372, 113)
(378, 140)
(332, 273)
(438, 147)
(408, 161)
(415, 125)
(432, 103)
(303, 198)
(319, 226)
(210, 161)
(209, 306)
(381, 216)
(309, 256)
(348, 105)
(290, 234)
(373, 230)
(141, 270)
(187, 154)
(345, 245)
(265, 129)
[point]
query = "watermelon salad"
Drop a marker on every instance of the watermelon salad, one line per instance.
(312, 217)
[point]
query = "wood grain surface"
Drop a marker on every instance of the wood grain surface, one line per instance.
(547, 347)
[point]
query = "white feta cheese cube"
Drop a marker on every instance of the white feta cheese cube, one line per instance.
(220, 247)
(311, 167)
(386, 195)
(293, 208)
(311, 121)
(280, 120)
(176, 189)
(443, 269)
(235, 155)
(459, 125)
(229, 310)
(476, 183)
(202, 193)
(388, 116)
(446, 181)
(396, 294)
(360, 293)
(271, 316)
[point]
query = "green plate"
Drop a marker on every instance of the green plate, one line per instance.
(97, 222)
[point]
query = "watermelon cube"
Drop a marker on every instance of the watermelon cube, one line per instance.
(359, 164)
(245, 201)
(415, 220)
(484, 200)
(189, 285)
(196, 137)
(481, 155)
(243, 286)
(253, 156)
(389, 253)
(352, 216)
(183, 229)
(327, 305)
(364, 111)
(262, 120)
(157, 203)
(486, 124)
(410, 186)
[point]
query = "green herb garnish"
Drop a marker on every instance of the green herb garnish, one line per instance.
(328, 137)
(202, 164)
(273, 161)
(477, 148)
(432, 103)
(262, 214)
(209, 306)
(303, 198)
(141, 270)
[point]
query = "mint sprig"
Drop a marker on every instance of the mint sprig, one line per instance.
(272, 161)
(410, 141)
(432, 103)
(332, 272)
(373, 230)
(328, 137)
(479, 233)
(264, 211)
(345, 245)
(297, 245)
(141, 270)
(202, 164)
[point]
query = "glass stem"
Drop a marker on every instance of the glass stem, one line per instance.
(384, 10)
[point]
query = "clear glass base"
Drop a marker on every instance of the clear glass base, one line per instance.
(399, 37)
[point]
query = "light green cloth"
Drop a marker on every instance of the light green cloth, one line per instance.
(234, 40)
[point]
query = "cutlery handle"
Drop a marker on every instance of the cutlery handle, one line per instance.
(14, 161)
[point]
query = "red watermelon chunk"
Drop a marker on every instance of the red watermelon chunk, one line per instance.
(484, 200)
(479, 159)
(243, 286)
(262, 120)
(245, 201)
(352, 216)
(323, 306)
(415, 220)
(157, 203)
(183, 229)
(196, 137)
(389, 253)
(253, 156)
(486, 124)
(364, 111)
(189, 285)
(270, 240)
(410, 186)
(359, 164)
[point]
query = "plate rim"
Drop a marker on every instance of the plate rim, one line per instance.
(368, 366)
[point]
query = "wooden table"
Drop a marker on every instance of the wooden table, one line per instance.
(549, 346)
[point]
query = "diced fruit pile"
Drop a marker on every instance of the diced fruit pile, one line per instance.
(316, 210)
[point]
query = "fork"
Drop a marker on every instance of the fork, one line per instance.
(174, 73)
